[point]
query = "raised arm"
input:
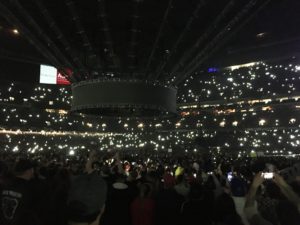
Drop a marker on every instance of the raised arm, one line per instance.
(250, 198)
(250, 210)
(287, 190)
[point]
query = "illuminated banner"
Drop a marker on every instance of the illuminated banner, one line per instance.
(50, 75)
(60, 79)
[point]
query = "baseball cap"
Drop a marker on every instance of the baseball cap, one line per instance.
(86, 197)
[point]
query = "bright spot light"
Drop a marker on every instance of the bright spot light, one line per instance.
(222, 124)
(262, 122)
(235, 123)
(15, 31)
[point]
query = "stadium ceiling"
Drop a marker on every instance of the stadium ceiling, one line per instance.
(163, 41)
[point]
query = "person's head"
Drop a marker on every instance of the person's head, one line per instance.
(210, 184)
(179, 171)
(145, 190)
(120, 178)
(168, 170)
(180, 179)
(24, 168)
(238, 187)
(225, 210)
(96, 165)
(105, 171)
(225, 204)
(273, 191)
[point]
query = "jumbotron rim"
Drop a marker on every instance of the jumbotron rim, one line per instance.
(123, 98)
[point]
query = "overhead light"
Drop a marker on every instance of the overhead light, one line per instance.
(261, 35)
(262, 122)
(235, 123)
(15, 31)
(222, 124)
(235, 67)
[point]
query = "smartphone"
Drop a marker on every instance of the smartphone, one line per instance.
(268, 176)
(229, 176)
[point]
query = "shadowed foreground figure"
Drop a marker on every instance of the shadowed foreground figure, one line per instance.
(225, 212)
(87, 196)
(18, 201)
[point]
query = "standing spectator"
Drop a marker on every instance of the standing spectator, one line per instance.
(119, 197)
(226, 213)
(287, 212)
(168, 179)
(182, 187)
(55, 211)
(142, 208)
(87, 196)
(17, 197)
(167, 207)
(238, 188)
(197, 208)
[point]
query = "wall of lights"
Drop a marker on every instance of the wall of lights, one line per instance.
(237, 110)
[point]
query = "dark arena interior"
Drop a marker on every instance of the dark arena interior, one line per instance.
(149, 112)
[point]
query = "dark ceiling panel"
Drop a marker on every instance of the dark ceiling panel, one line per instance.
(99, 37)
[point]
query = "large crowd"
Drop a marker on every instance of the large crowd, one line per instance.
(253, 80)
(262, 116)
(228, 157)
(134, 189)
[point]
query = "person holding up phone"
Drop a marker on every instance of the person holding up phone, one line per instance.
(292, 217)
